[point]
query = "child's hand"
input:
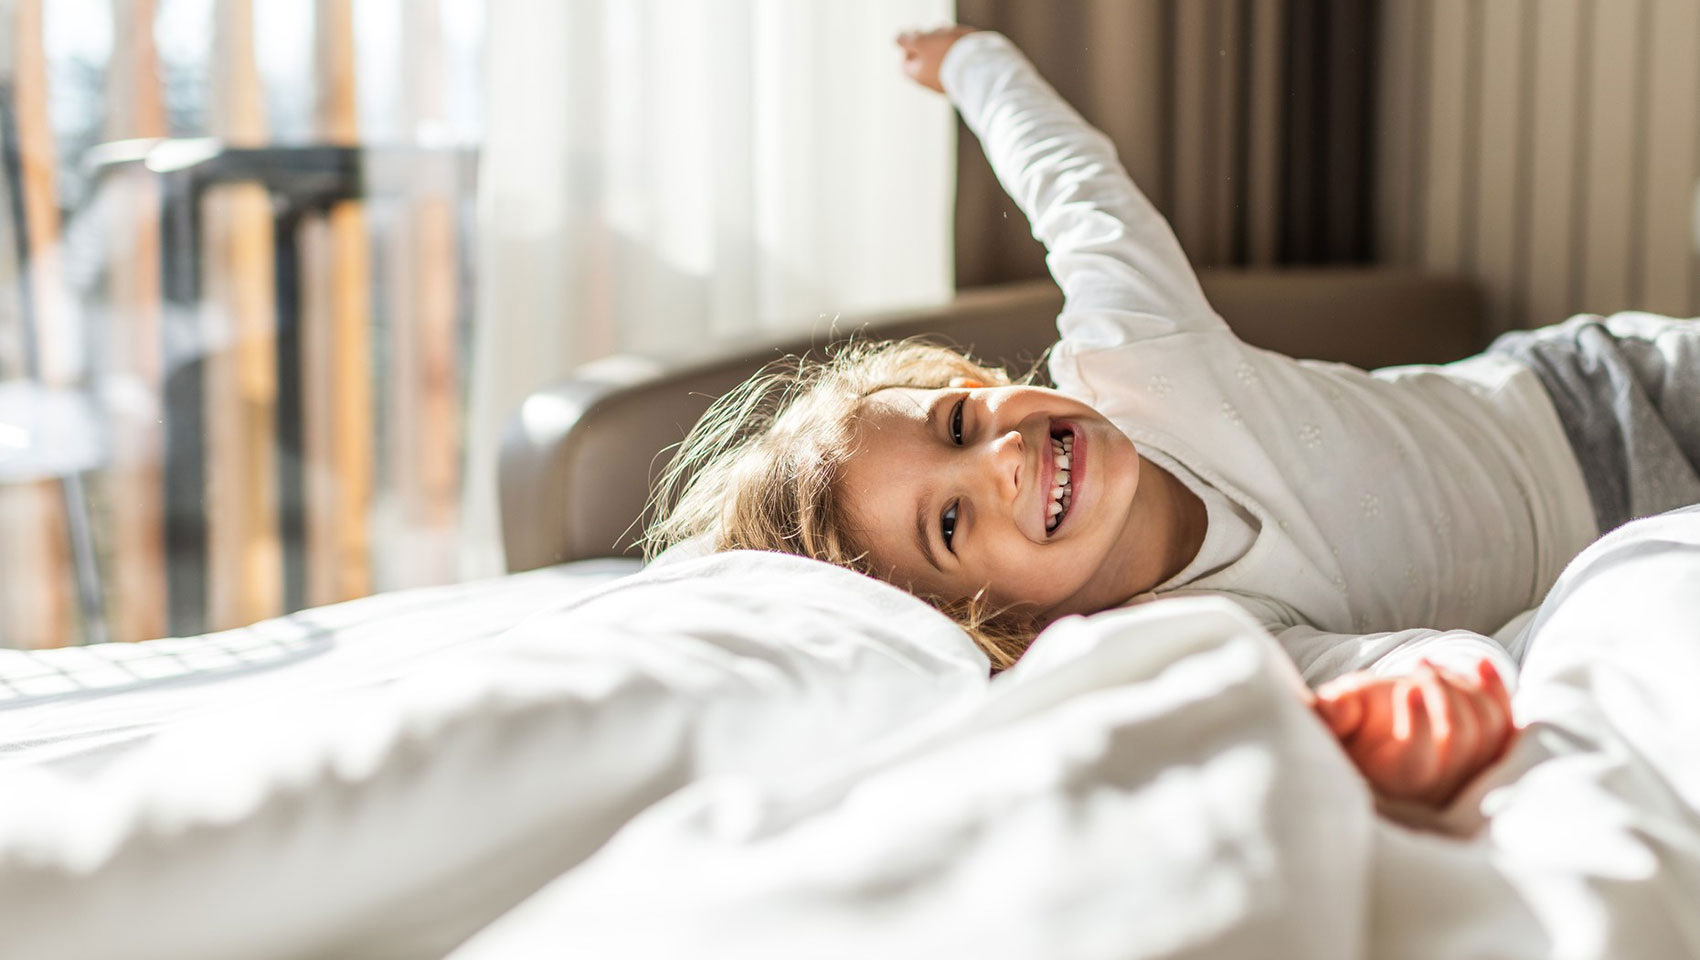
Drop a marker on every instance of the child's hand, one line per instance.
(924, 50)
(1422, 736)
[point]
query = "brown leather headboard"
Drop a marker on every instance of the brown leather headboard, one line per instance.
(573, 454)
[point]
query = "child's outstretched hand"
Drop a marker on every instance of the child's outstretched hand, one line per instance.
(1422, 736)
(924, 50)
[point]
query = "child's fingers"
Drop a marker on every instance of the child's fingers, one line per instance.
(1464, 750)
(1342, 710)
(1418, 750)
(1407, 709)
(1453, 735)
(1493, 685)
(1481, 730)
(1496, 707)
(1497, 730)
(1435, 702)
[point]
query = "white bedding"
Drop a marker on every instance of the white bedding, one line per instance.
(1152, 791)
(394, 811)
(1161, 791)
(795, 761)
(1589, 834)
(58, 707)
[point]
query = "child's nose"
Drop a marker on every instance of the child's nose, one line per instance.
(1009, 456)
(1008, 443)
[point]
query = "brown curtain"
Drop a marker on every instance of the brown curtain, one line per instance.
(1548, 149)
(1245, 121)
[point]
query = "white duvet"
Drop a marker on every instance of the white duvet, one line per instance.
(1589, 834)
(759, 756)
(1159, 791)
(394, 816)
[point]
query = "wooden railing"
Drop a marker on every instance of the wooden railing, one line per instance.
(271, 449)
(36, 575)
(273, 346)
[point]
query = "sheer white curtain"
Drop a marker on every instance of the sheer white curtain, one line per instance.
(661, 173)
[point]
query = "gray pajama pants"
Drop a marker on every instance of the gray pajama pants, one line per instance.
(1627, 389)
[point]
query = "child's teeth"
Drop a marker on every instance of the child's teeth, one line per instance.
(1062, 449)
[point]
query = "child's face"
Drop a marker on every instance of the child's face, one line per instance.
(952, 491)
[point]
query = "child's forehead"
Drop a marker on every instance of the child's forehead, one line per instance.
(897, 402)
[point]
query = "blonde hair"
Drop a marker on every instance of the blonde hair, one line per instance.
(760, 470)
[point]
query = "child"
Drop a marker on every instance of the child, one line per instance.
(1371, 521)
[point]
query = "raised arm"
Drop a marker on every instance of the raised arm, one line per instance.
(1122, 272)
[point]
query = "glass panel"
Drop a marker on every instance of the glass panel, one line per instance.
(233, 307)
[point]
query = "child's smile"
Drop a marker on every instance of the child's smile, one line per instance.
(1059, 462)
(1021, 491)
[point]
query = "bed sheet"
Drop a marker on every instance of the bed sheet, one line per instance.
(78, 709)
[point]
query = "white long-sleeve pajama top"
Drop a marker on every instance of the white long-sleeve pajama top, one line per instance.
(1381, 516)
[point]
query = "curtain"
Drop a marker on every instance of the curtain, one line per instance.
(661, 174)
(1247, 123)
(1549, 149)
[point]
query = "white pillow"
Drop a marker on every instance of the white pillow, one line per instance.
(690, 548)
(395, 821)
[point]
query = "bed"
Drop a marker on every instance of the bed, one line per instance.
(749, 755)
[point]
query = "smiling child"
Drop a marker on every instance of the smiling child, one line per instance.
(1384, 521)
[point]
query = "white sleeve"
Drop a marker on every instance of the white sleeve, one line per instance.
(1123, 274)
(1323, 656)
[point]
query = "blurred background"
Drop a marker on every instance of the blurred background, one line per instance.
(274, 274)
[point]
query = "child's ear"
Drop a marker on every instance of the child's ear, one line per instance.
(965, 383)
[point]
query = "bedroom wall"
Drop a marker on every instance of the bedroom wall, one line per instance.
(1550, 148)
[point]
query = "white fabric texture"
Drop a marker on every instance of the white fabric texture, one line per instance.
(1442, 497)
(1587, 837)
(394, 819)
(57, 707)
(1157, 789)
(1229, 530)
(659, 175)
(1146, 783)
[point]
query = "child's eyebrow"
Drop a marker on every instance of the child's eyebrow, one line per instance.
(921, 521)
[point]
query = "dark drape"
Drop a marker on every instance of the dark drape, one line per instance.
(1247, 122)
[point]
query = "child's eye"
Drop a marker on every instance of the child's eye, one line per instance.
(947, 526)
(956, 422)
